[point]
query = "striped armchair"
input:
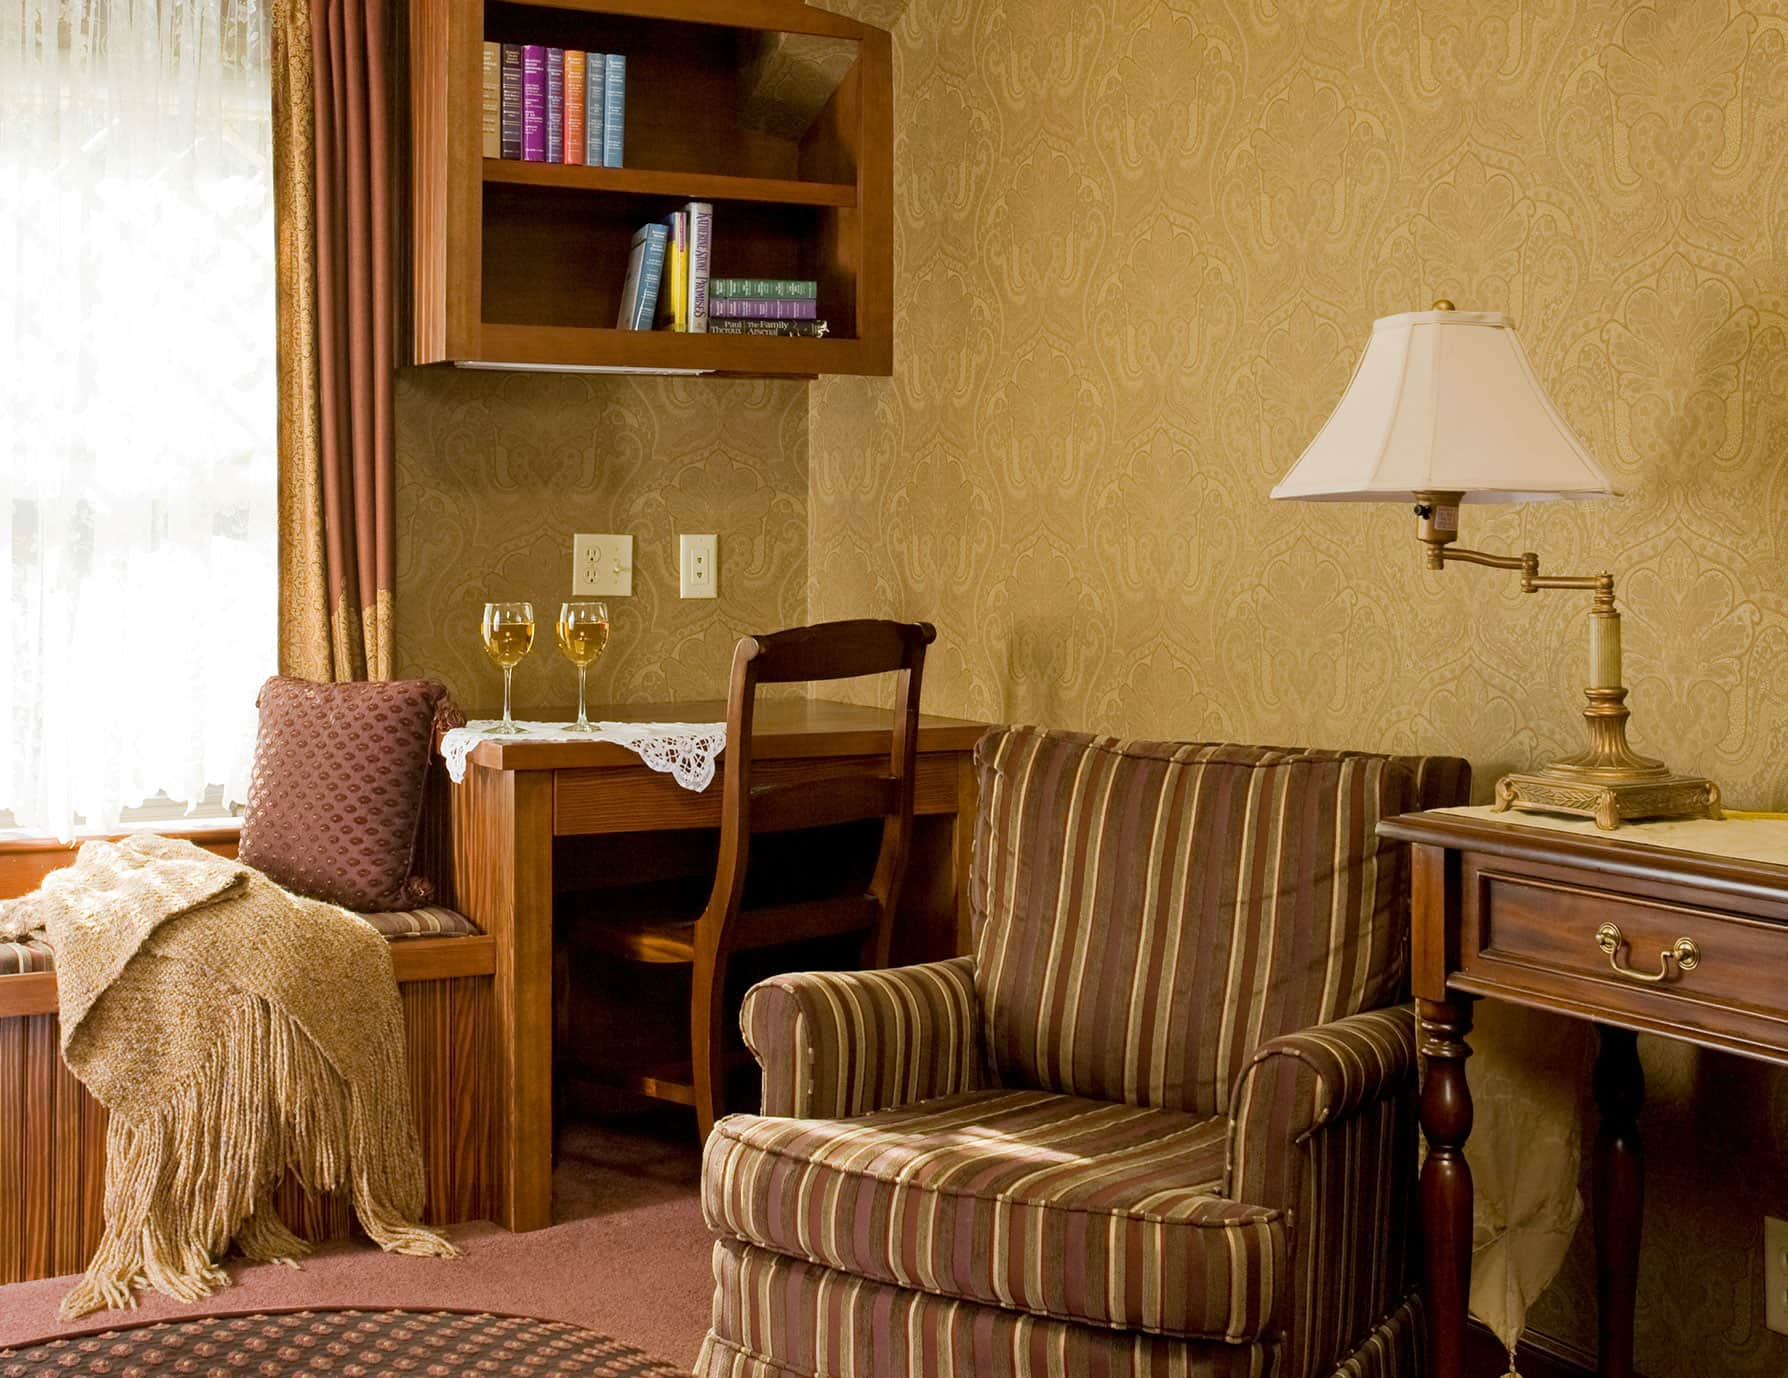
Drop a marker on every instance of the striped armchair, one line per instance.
(1161, 1122)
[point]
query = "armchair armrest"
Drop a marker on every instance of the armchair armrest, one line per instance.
(837, 1044)
(1301, 1084)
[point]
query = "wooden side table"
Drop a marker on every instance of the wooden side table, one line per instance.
(1636, 938)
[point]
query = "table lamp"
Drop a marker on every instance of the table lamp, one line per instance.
(1444, 409)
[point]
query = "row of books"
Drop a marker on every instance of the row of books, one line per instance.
(669, 286)
(554, 105)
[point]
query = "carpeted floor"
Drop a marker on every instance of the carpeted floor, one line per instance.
(628, 1256)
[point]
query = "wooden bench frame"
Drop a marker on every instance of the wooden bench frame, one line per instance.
(52, 1133)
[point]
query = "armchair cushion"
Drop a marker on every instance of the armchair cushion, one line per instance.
(1148, 913)
(1072, 1209)
(833, 1044)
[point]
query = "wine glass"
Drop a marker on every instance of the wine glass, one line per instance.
(583, 635)
(508, 630)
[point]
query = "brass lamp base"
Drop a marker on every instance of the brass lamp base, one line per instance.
(1559, 789)
(1610, 782)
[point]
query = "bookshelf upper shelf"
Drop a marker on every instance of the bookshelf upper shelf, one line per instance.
(693, 186)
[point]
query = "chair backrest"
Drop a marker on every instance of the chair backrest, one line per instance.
(850, 793)
(1146, 914)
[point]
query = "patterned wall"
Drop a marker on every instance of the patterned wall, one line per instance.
(497, 471)
(1140, 245)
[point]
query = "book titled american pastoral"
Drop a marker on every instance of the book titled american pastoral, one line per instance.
(614, 108)
(491, 100)
(555, 105)
(511, 111)
(701, 251)
(574, 105)
(533, 102)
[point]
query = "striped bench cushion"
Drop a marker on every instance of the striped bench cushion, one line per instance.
(1148, 913)
(432, 922)
(18, 958)
(1073, 1209)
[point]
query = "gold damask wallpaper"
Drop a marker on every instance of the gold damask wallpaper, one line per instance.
(1140, 245)
(497, 471)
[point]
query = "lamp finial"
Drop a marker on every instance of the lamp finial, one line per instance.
(1442, 305)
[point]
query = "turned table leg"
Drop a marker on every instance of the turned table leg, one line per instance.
(1446, 1180)
(1619, 1195)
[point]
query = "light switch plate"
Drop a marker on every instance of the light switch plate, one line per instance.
(698, 566)
(601, 566)
(1775, 1274)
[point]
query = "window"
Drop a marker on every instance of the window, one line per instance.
(137, 404)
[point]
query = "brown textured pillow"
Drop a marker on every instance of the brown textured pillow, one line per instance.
(336, 793)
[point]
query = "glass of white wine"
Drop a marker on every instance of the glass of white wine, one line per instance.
(583, 636)
(508, 630)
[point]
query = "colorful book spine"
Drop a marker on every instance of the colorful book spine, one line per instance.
(574, 105)
(555, 105)
(762, 308)
(673, 301)
(511, 146)
(614, 108)
(491, 98)
(533, 103)
(701, 248)
(645, 272)
(764, 287)
(811, 330)
(595, 85)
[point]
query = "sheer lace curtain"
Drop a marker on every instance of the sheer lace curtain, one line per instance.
(137, 413)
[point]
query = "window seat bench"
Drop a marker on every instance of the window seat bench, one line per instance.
(52, 1133)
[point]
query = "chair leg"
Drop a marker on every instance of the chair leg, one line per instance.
(707, 1040)
(561, 997)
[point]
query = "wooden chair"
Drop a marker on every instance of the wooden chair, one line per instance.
(739, 917)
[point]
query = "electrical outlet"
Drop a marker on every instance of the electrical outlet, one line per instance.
(698, 566)
(601, 566)
(1775, 1274)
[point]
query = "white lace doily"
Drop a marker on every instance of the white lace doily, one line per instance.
(683, 750)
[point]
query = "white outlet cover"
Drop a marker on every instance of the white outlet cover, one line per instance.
(698, 566)
(601, 566)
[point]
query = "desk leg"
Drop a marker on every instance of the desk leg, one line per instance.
(502, 862)
(1446, 1180)
(1619, 1195)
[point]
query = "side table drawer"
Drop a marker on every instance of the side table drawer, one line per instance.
(1623, 954)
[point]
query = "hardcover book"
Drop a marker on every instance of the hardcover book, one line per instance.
(763, 287)
(555, 105)
(614, 108)
(812, 330)
(574, 105)
(491, 100)
(701, 247)
(645, 271)
(533, 103)
(512, 100)
(595, 87)
(762, 308)
(673, 300)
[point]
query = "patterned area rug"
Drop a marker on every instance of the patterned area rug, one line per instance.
(355, 1344)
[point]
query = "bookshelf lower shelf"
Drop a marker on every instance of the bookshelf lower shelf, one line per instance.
(663, 351)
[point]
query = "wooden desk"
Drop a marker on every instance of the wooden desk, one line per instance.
(1514, 912)
(518, 796)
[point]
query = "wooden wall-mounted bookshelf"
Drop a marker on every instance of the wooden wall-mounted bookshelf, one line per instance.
(521, 264)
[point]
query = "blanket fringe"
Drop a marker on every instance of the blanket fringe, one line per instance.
(198, 1174)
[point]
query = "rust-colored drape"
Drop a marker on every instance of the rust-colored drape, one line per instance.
(333, 152)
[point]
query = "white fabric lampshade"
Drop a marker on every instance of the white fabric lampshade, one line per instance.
(1444, 402)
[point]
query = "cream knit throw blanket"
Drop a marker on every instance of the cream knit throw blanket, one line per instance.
(235, 1032)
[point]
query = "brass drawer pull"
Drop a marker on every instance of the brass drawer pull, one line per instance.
(1683, 952)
